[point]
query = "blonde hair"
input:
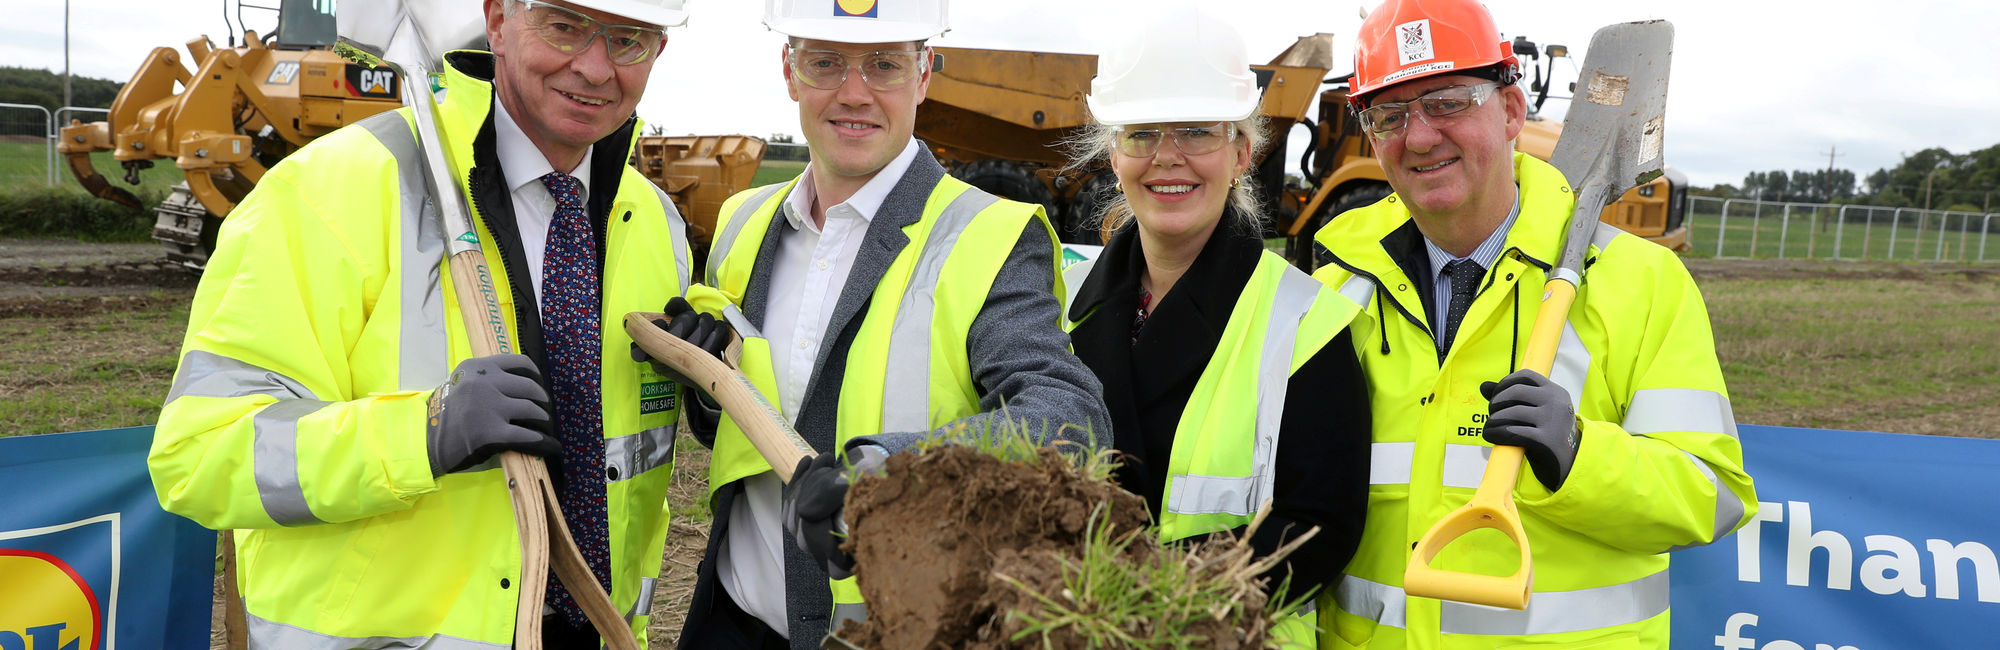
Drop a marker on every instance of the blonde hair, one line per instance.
(1097, 140)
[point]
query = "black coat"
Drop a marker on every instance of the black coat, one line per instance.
(1322, 467)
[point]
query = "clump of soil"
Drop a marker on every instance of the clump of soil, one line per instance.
(955, 548)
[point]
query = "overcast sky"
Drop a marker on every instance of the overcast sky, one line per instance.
(1757, 84)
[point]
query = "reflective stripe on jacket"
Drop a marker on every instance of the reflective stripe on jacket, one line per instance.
(298, 412)
(1658, 467)
(907, 369)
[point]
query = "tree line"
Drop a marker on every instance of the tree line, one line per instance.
(45, 89)
(1933, 178)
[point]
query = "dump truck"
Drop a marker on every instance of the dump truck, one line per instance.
(243, 108)
(1001, 121)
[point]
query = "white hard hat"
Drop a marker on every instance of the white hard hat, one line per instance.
(1185, 66)
(665, 13)
(857, 21)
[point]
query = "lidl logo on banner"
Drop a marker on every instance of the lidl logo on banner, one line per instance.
(52, 594)
(854, 8)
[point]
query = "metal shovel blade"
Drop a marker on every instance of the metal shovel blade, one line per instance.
(1611, 141)
(1613, 137)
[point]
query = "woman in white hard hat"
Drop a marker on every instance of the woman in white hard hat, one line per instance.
(1198, 334)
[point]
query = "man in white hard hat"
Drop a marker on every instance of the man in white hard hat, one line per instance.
(881, 302)
(327, 405)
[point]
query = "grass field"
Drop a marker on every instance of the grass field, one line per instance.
(24, 164)
(1768, 233)
(777, 171)
(1880, 348)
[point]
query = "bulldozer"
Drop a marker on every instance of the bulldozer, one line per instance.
(245, 107)
(1000, 120)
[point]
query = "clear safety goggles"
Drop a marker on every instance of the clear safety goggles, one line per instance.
(1386, 121)
(884, 70)
(1143, 140)
(572, 32)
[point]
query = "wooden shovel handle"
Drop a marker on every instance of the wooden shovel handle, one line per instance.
(536, 514)
(767, 429)
(1492, 506)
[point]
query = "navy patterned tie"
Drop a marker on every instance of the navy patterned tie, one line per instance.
(570, 330)
(1465, 275)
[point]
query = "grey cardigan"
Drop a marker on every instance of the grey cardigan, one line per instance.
(1018, 352)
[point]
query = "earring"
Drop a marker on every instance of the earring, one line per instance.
(1235, 183)
(1118, 186)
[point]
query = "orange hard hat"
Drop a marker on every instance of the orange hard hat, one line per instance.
(1412, 39)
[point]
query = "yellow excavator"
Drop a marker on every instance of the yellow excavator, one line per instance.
(244, 107)
(999, 119)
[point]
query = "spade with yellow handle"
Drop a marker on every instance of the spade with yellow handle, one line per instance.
(1611, 142)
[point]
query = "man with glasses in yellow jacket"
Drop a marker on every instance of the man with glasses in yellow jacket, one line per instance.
(1630, 439)
(881, 302)
(328, 407)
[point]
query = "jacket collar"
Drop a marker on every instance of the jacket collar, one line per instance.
(1192, 316)
(1363, 239)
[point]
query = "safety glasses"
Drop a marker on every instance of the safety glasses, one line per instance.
(885, 70)
(1143, 140)
(1386, 121)
(572, 32)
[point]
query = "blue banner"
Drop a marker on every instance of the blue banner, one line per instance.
(1862, 541)
(88, 561)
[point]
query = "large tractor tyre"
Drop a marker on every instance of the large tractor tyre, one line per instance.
(1300, 248)
(1085, 204)
(1009, 180)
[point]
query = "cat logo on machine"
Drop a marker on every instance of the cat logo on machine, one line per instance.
(377, 83)
(283, 73)
(46, 605)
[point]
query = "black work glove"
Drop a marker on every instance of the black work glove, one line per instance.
(489, 405)
(813, 503)
(700, 329)
(1527, 410)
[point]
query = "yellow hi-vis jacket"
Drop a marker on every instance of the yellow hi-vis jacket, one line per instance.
(1658, 466)
(1225, 452)
(297, 415)
(907, 369)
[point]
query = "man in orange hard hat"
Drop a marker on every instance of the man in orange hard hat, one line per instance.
(1630, 440)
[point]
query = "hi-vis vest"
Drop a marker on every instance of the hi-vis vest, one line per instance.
(1658, 466)
(1225, 452)
(298, 411)
(907, 369)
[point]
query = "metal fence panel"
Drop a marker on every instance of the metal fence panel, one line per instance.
(1745, 228)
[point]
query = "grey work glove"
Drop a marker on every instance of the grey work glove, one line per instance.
(489, 405)
(1527, 410)
(700, 329)
(813, 503)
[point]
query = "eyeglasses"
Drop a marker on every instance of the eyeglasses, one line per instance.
(1142, 141)
(572, 32)
(885, 70)
(1386, 121)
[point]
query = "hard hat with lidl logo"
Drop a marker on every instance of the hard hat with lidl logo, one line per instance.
(1412, 39)
(665, 13)
(1184, 65)
(857, 21)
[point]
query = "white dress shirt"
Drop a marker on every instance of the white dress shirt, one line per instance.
(807, 276)
(524, 165)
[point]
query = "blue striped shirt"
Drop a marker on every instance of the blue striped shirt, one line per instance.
(1487, 252)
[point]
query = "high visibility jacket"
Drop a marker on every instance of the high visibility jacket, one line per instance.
(907, 369)
(1225, 451)
(315, 340)
(1658, 465)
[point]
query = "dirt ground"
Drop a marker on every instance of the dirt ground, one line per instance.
(69, 280)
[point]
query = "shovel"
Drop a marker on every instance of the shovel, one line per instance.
(1611, 142)
(768, 430)
(389, 32)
